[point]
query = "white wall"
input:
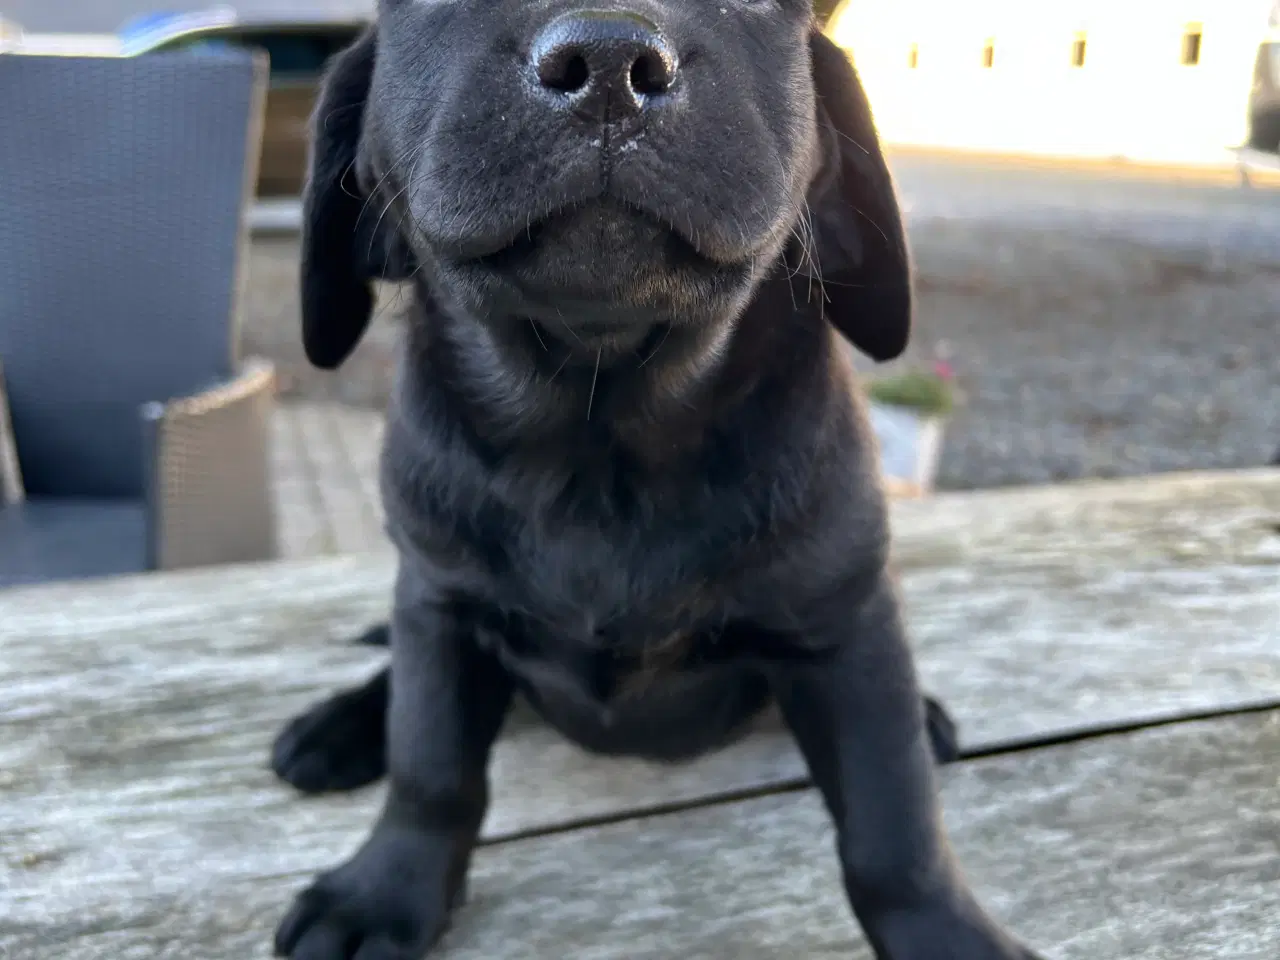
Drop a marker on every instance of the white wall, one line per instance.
(1132, 98)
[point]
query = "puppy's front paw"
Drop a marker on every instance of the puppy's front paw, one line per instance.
(386, 903)
(953, 930)
(337, 745)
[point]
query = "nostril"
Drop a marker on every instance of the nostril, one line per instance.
(576, 74)
(651, 74)
(603, 65)
(564, 70)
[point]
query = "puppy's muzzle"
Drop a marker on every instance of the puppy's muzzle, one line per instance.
(600, 66)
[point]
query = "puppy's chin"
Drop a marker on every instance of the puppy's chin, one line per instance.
(600, 273)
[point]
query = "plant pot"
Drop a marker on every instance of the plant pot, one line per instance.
(11, 490)
(910, 447)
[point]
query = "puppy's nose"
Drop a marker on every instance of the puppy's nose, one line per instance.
(603, 65)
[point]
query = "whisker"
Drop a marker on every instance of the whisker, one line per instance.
(573, 333)
(563, 363)
(373, 234)
(533, 326)
(654, 352)
(377, 189)
(594, 376)
(879, 229)
(342, 180)
(845, 136)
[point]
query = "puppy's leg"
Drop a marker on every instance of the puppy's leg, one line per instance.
(391, 900)
(860, 721)
(379, 635)
(339, 743)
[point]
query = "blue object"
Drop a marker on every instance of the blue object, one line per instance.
(141, 438)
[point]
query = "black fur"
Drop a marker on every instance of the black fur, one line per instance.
(340, 743)
(344, 244)
(627, 469)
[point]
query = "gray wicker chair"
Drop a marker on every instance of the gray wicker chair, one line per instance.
(141, 439)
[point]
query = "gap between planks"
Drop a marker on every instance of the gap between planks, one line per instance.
(800, 784)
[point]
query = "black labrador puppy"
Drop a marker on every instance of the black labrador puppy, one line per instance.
(626, 468)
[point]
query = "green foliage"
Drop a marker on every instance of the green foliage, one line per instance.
(926, 393)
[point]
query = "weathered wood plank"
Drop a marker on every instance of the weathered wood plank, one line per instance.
(1159, 845)
(1155, 846)
(1043, 611)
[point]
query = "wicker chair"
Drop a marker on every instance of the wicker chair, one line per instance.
(142, 441)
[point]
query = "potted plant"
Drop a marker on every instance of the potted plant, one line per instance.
(908, 413)
(11, 490)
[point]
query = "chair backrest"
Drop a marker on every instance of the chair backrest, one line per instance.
(124, 190)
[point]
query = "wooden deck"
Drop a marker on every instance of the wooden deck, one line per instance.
(325, 462)
(138, 820)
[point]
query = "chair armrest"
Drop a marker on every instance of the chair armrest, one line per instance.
(11, 487)
(209, 497)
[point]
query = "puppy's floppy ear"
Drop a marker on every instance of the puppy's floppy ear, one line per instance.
(859, 245)
(347, 240)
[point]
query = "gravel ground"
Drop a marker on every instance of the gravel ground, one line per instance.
(1098, 327)
(1095, 356)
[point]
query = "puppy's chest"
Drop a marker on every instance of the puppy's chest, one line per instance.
(611, 668)
(594, 565)
(617, 588)
(599, 615)
(594, 572)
